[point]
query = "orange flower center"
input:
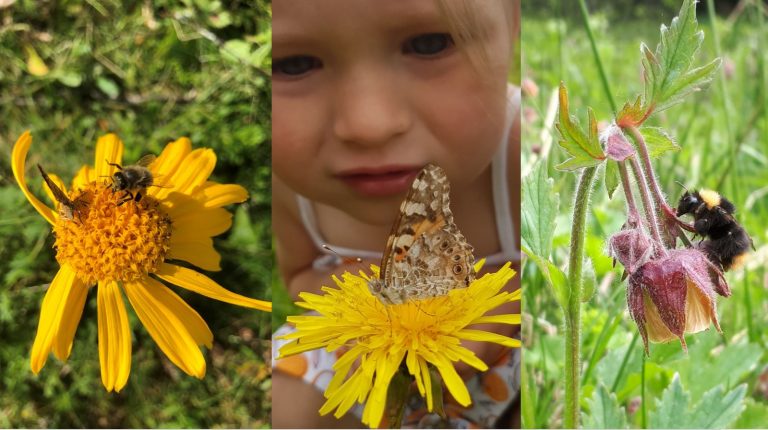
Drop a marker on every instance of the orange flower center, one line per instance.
(103, 240)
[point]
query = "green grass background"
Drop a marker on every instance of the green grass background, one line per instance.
(722, 134)
(150, 72)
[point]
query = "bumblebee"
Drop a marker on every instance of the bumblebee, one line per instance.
(132, 180)
(725, 242)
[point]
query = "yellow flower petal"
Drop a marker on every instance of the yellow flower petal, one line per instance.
(156, 310)
(84, 176)
(109, 149)
(51, 314)
(166, 165)
(114, 337)
(192, 172)
(216, 195)
(207, 223)
(71, 314)
(18, 161)
(201, 284)
(453, 382)
(199, 252)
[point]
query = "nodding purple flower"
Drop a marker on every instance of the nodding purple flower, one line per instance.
(675, 294)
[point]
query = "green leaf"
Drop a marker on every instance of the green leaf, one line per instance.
(718, 411)
(584, 148)
(556, 278)
(108, 87)
(672, 409)
(539, 210)
(658, 141)
(611, 178)
(604, 411)
(755, 415)
(668, 74)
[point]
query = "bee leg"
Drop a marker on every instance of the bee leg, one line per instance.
(127, 197)
(138, 196)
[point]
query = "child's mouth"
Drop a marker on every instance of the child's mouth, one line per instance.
(380, 181)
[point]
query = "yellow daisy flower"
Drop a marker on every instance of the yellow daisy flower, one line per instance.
(380, 337)
(119, 246)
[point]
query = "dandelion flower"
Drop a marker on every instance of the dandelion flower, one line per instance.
(127, 249)
(380, 337)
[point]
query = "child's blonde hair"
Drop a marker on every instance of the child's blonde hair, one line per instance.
(467, 24)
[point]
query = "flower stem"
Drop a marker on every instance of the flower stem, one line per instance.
(632, 213)
(573, 310)
(642, 185)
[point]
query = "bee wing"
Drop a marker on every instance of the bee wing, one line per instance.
(146, 160)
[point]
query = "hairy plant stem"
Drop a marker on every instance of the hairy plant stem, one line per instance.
(658, 197)
(573, 310)
(632, 213)
(650, 212)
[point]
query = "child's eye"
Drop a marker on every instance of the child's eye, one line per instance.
(428, 44)
(295, 66)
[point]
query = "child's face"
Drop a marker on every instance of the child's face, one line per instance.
(366, 92)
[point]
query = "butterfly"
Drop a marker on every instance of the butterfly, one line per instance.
(426, 254)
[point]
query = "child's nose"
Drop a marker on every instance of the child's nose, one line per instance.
(370, 109)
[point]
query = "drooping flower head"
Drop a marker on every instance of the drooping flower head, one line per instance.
(380, 337)
(128, 247)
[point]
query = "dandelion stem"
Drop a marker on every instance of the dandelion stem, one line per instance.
(573, 310)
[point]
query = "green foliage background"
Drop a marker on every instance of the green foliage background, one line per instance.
(150, 72)
(721, 131)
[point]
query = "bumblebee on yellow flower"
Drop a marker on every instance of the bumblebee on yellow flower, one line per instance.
(128, 248)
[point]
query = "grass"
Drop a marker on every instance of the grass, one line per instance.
(719, 131)
(150, 72)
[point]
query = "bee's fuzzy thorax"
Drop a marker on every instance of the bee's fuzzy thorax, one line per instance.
(710, 198)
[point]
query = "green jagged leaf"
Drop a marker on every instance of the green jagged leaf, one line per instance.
(604, 411)
(584, 149)
(658, 141)
(539, 210)
(672, 409)
(716, 410)
(668, 73)
(612, 178)
(755, 415)
(631, 113)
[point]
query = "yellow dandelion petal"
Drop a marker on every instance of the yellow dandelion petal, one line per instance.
(71, 314)
(453, 382)
(201, 284)
(498, 319)
(199, 252)
(155, 308)
(166, 164)
(215, 195)
(109, 149)
(18, 162)
(114, 337)
(484, 336)
(51, 314)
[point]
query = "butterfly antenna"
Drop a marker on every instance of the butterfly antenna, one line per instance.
(344, 260)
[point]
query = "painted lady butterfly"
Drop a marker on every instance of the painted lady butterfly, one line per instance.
(426, 254)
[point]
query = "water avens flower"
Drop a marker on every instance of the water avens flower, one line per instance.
(127, 247)
(380, 337)
(673, 295)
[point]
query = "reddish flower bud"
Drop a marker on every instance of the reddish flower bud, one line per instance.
(675, 294)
